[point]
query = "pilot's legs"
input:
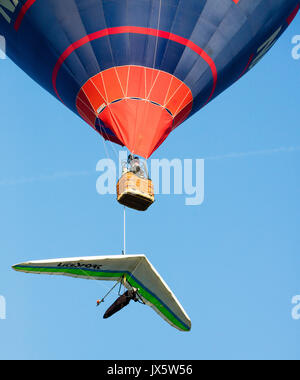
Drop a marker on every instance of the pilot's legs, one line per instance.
(121, 302)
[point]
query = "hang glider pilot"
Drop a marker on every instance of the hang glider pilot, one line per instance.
(121, 302)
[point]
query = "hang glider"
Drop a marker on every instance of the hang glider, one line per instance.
(135, 271)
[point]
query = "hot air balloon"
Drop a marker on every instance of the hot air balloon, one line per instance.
(134, 70)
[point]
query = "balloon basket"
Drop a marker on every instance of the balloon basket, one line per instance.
(135, 192)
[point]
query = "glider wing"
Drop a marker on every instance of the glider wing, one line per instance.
(136, 271)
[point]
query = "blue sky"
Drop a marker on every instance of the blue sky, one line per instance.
(233, 261)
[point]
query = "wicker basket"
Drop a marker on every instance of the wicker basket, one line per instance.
(135, 192)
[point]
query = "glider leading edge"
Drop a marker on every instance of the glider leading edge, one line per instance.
(134, 272)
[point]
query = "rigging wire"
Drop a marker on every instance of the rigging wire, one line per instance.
(103, 298)
(124, 232)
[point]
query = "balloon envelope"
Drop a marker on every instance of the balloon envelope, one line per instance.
(136, 69)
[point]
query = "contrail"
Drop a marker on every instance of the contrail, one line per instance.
(255, 153)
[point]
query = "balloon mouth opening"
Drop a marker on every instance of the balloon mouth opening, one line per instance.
(139, 124)
(134, 106)
(102, 108)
